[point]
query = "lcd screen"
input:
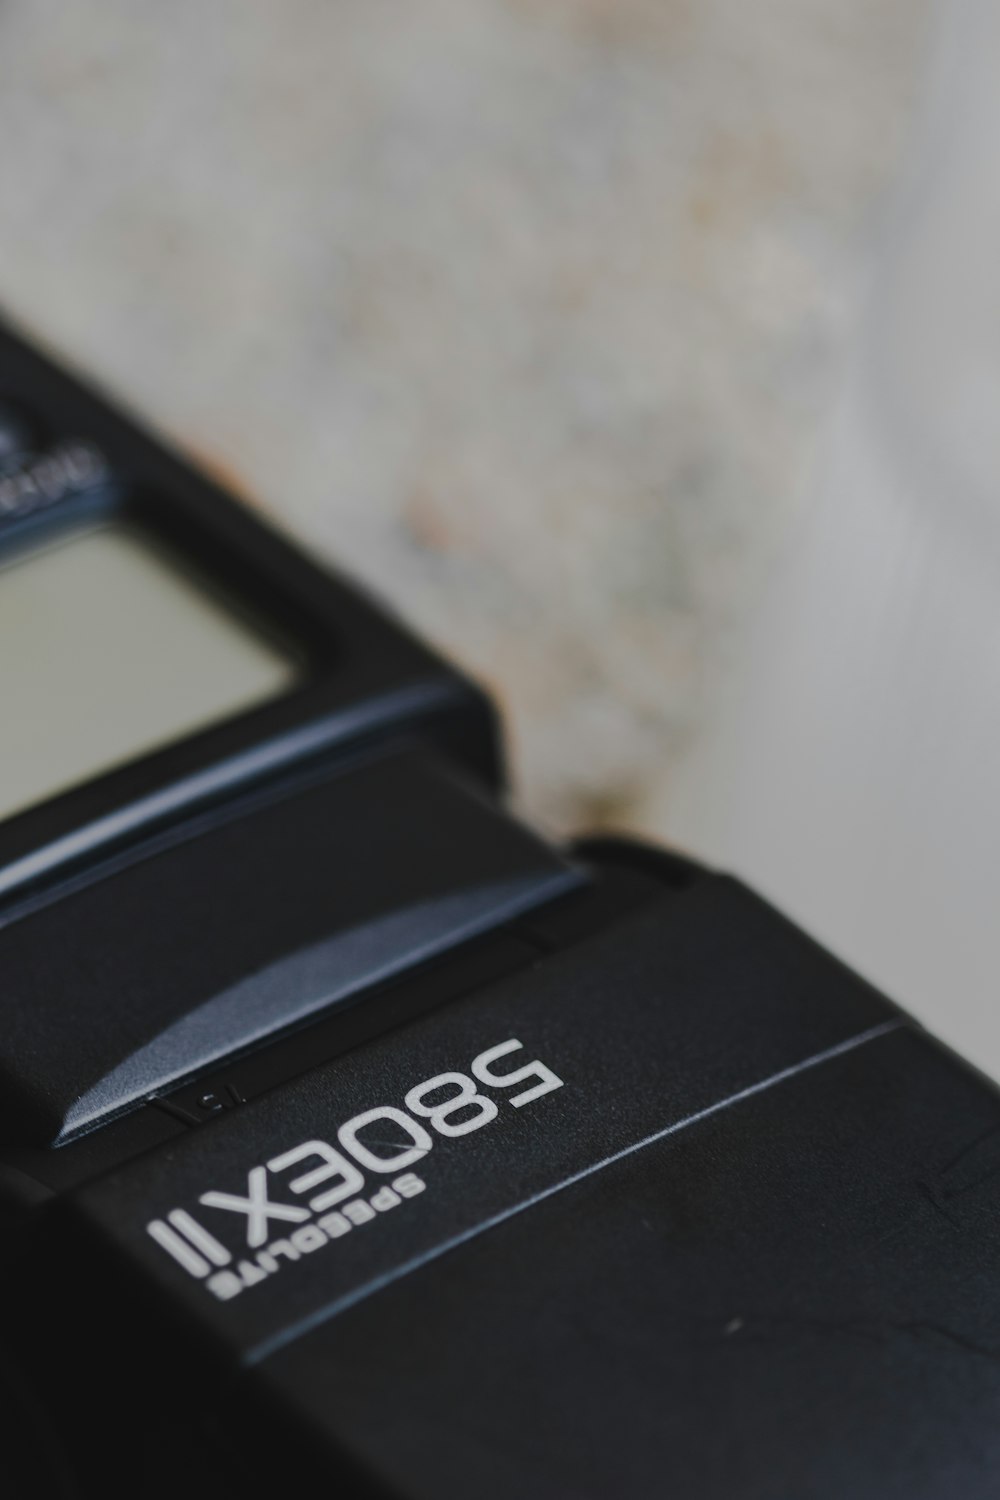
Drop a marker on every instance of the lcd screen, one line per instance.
(108, 650)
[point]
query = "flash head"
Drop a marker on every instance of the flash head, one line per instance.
(356, 1139)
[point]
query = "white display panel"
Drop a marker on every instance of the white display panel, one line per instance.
(108, 651)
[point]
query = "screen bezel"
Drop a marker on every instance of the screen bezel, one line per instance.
(360, 672)
(113, 646)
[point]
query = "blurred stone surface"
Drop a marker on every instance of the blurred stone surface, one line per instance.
(527, 311)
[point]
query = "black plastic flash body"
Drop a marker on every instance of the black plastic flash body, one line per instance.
(353, 1139)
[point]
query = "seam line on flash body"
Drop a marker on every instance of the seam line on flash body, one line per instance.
(296, 1330)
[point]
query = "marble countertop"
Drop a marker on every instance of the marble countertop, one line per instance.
(529, 311)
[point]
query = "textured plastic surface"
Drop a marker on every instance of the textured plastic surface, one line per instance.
(795, 1296)
(644, 1026)
(747, 1247)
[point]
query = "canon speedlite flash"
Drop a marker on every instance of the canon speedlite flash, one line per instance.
(354, 1140)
